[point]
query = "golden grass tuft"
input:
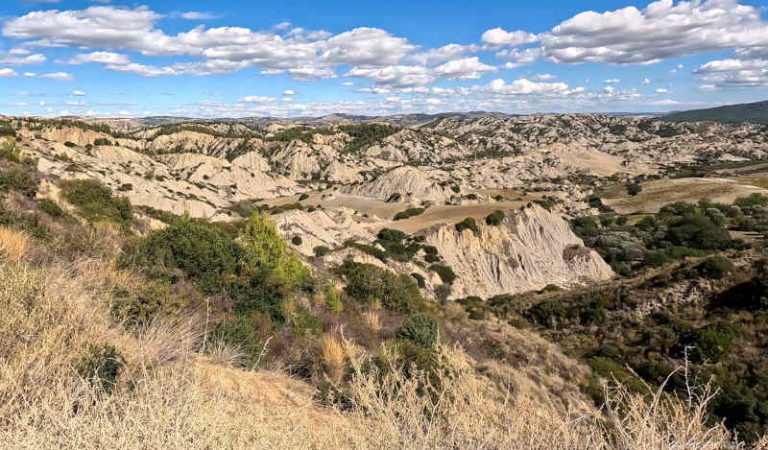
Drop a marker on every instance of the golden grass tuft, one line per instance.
(14, 245)
(333, 356)
(372, 320)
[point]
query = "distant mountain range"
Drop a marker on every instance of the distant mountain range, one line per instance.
(744, 112)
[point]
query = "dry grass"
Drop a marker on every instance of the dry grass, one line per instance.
(333, 356)
(372, 320)
(14, 245)
(171, 397)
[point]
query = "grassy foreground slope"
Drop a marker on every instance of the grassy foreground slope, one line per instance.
(192, 335)
(746, 112)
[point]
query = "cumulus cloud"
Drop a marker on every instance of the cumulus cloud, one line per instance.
(519, 57)
(734, 72)
(256, 99)
(20, 57)
(395, 76)
(523, 86)
(58, 76)
(78, 93)
(465, 69)
(498, 37)
(6, 72)
(661, 30)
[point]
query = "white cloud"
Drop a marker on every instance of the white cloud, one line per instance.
(366, 46)
(662, 30)
(289, 93)
(734, 72)
(519, 57)
(645, 81)
(442, 54)
(107, 58)
(544, 77)
(497, 37)
(464, 69)
(662, 91)
(395, 76)
(197, 15)
(16, 57)
(256, 99)
(611, 81)
(6, 72)
(58, 76)
(78, 93)
(523, 86)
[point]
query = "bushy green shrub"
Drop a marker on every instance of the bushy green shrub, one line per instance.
(421, 329)
(715, 267)
(634, 189)
(102, 141)
(474, 306)
(468, 224)
(446, 273)
(495, 218)
(10, 152)
(202, 253)
(710, 342)
(101, 366)
(410, 212)
(50, 207)
(70, 144)
(367, 283)
(333, 299)
(19, 179)
(240, 332)
(96, 202)
(297, 240)
(140, 308)
(751, 201)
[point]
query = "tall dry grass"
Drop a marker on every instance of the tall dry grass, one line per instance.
(14, 245)
(171, 397)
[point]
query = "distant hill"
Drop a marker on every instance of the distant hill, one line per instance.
(745, 112)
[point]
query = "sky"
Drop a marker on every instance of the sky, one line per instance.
(227, 58)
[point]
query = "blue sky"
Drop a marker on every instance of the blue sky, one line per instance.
(298, 57)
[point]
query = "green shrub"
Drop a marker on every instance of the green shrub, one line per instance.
(303, 197)
(697, 231)
(50, 207)
(634, 189)
(442, 292)
(125, 187)
(18, 179)
(420, 281)
(204, 254)
(446, 273)
(10, 152)
(468, 224)
(321, 250)
(367, 283)
(96, 202)
(715, 267)
(410, 212)
(101, 366)
(240, 332)
(70, 144)
(710, 342)
(140, 308)
(296, 240)
(102, 141)
(333, 299)
(474, 307)
(495, 218)
(751, 201)
(421, 329)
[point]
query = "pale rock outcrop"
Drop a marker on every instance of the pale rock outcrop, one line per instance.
(405, 180)
(529, 250)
